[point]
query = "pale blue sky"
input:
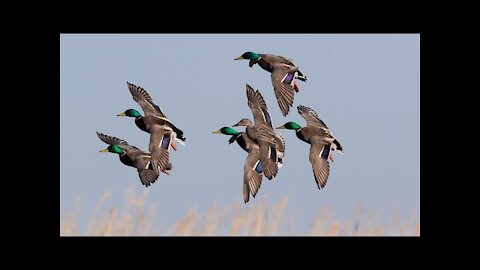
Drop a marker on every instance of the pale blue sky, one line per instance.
(365, 87)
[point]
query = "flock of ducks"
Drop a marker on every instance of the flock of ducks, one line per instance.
(162, 131)
(265, 148)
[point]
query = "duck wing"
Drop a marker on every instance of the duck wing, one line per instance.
(146, 174)
(311, 117)
(114, 140)
(283, 83)
(160, 141)
(143, 99)
(252, 174)
(259, 109)
(319, 152)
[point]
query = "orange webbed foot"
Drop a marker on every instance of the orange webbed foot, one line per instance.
(295, 86)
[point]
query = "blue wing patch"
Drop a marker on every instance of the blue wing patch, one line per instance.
(259, 168)
(288, 79)
(165, 141)
(268, 119)
(325, 151)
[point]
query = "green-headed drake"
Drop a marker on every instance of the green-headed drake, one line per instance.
(133, 157)
(284, 73)
(321, 141)
(162, 131)
(261, 132)
(252, 170)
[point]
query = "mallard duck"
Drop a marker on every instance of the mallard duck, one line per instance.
(321, 141)
(133, 157)
(284, 73)
(162, 131)
(252, 170)
(262, 132)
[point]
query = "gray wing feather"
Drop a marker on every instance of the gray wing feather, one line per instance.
(258, 106)
(311, 116)
(147, 176)
(320, 166)
(114, 140)
(143, 99)
(251, 178)
(110, 139)
(283, 92)
(160, 156)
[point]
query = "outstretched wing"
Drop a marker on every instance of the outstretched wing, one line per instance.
(259, 109)
(267, 142)
(145, 172)
(160, 141)
(282, 80)
(311, 116)
(141, 96)
(319, 159)
(110, 139)
(114, 140)
(252, 175)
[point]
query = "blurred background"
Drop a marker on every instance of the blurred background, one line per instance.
(366, 87)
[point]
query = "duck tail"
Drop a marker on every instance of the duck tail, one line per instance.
(337, 147)
(180, 141)
(301, 76)
(180, 138)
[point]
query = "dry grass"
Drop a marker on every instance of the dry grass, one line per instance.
(260, 219)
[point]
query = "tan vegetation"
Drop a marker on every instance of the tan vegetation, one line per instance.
(259, 219)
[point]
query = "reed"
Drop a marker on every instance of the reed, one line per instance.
(260, 219)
